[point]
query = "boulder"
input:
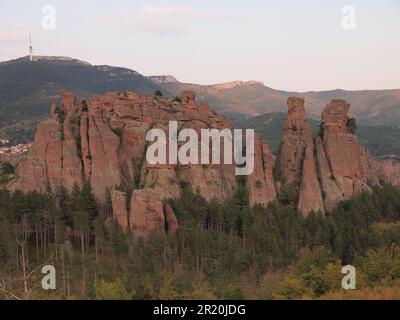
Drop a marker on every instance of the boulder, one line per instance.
(120, 210)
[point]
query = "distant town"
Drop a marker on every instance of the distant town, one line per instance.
(6, 148)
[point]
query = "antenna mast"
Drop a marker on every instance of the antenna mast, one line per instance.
(30, 48)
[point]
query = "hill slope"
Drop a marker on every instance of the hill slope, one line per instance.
(382, 141)
(373, 107)
(27, 88)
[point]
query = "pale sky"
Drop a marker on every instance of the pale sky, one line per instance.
(290, 45)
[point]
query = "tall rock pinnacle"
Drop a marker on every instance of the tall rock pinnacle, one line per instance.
(295, 160)
(339, 156)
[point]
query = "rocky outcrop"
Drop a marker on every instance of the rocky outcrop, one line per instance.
(343, 153)
(120, 209)
(295, 160)
(379, 172)
(147, 213)
(171, 223)
(188, 99)
(330, 191)
(103, 141)
(389, 172)
(261, 183)
(331, 167)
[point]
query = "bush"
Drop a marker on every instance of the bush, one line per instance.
(352, 124)
(118, 132)
(7, 168)
(85, 106)
(177, 99)
(111, 291)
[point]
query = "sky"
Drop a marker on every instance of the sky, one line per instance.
(291, 45)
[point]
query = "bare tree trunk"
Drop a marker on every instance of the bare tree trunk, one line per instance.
(63, 271)
(24, 263)
(37, 241)
(83, 264)
(56, 238)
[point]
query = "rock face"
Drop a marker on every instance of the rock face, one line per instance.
(147, 213)
(332, 166)
(344, 176)
(171, 223)
(120, 209)
(378, 172)
(296, 163)
(103, 141)
(261, 183)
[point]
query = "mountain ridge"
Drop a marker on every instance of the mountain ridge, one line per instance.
(255, 98)
(28, 87)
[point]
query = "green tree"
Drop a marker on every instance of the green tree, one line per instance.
(113, 290)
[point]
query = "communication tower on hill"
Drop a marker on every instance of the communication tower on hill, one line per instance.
(30, 48)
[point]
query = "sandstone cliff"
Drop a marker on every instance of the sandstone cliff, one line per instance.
(296, 163)
(332, 166)
(343, 176)
(103, 141)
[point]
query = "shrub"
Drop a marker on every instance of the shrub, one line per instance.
(111, 291)
(352, 124)
(158, 93)
(177, 99)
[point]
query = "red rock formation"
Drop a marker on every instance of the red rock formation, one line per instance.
(147, 213)
(170, 220)
(295, 159)
(343, 154)
(389, 172)
(188, 99)
(330, 191)
(261, 183)
(378, 172)
(296, 134)
(103, 141)
(120, 210)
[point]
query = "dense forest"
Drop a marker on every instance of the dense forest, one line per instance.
(225, 250)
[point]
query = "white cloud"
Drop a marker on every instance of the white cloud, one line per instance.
(144, 24)
(167, 10)
(10, 32)
(11, 37)
(162, 20)
(187, 11)
(11, 24)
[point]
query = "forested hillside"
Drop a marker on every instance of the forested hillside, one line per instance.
(222, 250)
(27, 89)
